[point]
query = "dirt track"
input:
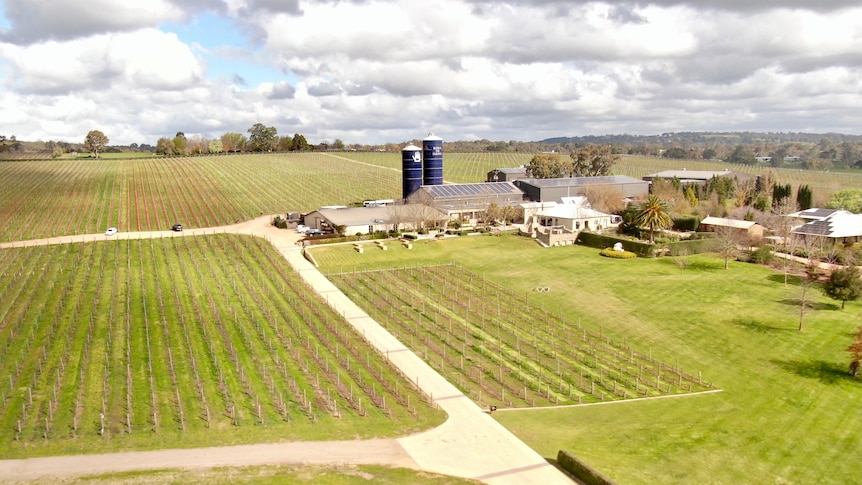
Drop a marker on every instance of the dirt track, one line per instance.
(469, 444)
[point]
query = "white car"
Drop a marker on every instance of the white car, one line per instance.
(111, 231)
(302, 229)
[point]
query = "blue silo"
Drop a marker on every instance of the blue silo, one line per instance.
(432, 160)
(411, 169)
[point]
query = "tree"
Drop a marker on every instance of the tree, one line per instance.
(653, 213)
(605, 198)
(95, 142)
(548, 166)
(338, 144)
(804, 198)
(233, 142)
(592, 161)
(180, 144)
(300, 143)
(165, 146)
(847, 199)
(262, 138)
(742, 155)
(729, 239)
(844, 284)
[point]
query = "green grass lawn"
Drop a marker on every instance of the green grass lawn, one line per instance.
(788, 412)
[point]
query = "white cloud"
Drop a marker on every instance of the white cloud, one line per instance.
(390, 70)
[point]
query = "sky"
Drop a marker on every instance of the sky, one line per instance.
(377, 71)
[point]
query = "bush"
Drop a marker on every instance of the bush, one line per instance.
(409, 236)
(612, 253)
(686, 223)
(762, 255)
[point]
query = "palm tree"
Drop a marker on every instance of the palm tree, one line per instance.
(653, 213)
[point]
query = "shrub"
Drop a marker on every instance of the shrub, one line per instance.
(409, 236)
(612, 253)
(762, 255)
(686, 223)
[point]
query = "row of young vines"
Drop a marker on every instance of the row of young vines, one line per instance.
(108, 344)
(500, 349)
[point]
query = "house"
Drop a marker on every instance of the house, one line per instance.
(749, 229)
(555, 189)
(577, 217)
(507, 174)
(367, 220)
(839, 226)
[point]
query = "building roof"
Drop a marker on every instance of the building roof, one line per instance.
(579, 181)
(690, 175)
(733, 223)
(515, 170)
(841, 224)
(574, 212)
(461, 190)
(814, 214)
(369, 216)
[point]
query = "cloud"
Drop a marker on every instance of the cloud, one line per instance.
(388, 70)
(59, 20)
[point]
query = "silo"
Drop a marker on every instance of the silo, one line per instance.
(411, 169)
(432, 160)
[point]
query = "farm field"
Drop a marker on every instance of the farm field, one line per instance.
(86, 196)
(156, 343)
(788, 411)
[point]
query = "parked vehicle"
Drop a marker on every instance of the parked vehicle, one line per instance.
(302, 228)
(177, 228)
(111, 231)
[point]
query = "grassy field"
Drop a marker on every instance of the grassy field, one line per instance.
(787, 413)
(139, 344)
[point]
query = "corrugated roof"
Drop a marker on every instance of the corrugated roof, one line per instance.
(722, 222)
(572, 212)
(579, 181)
(690, 174)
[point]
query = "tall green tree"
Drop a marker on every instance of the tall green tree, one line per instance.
(593, 161)
(548, 166)
(844, 284)
(180, 144)
(300, 143)
(742, 155)
(804, 197)
(262, 138)
(847, 199)
(653, 213)
(95, 142)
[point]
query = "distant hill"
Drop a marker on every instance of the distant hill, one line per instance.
(718, 138)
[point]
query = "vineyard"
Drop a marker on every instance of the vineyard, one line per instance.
(85, 196)
(499, 349)
(49, 198)
(128, 343)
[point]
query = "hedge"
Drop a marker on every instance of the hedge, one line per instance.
(580, 470)
(600, 241)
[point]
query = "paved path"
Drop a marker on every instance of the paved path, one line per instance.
(469, 444)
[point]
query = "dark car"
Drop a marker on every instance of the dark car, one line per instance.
(177, 227)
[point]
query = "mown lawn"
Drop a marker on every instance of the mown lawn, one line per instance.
(787, 413)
